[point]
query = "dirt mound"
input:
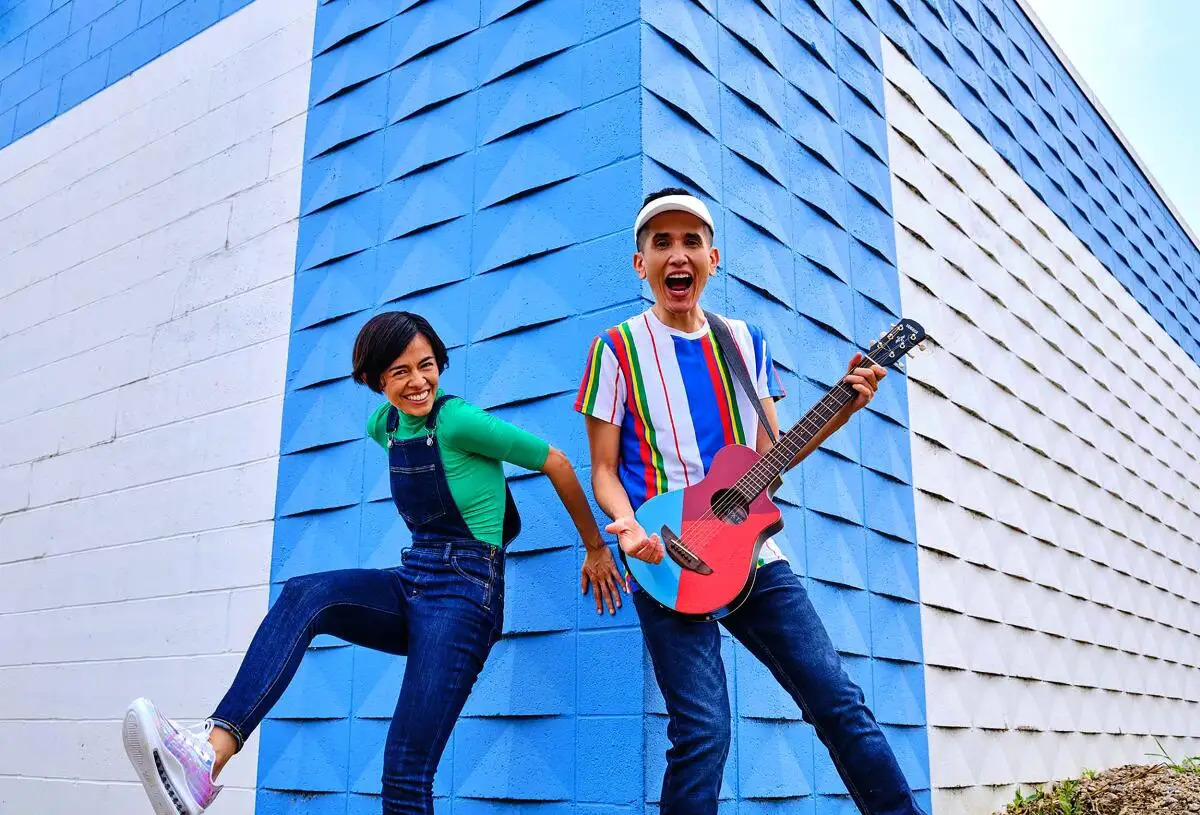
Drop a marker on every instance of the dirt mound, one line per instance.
(1130, 790)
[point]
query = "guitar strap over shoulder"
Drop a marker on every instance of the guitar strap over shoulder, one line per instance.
(737, 364)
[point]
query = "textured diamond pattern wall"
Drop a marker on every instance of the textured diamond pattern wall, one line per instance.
(481, 164)
(775, 112)
(987, 58)
(1056, 460)
(477, 164)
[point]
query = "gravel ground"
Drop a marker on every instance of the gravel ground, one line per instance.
(1134, 789)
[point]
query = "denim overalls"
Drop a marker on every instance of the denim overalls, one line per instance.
(442, 608)
(422, 494)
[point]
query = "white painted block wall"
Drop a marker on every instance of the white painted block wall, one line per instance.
(147, 245)
(1056, 460)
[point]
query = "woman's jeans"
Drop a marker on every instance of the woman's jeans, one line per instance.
(442, 608)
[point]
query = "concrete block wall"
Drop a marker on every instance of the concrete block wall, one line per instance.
(56, 53)
(1005, 77)
(1056, 461)
(482, 164)
(147, 238)
(476, 164)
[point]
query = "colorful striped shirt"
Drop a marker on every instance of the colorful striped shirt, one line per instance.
(673, 395)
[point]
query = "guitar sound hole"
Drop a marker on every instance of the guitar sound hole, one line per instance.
(730, 506)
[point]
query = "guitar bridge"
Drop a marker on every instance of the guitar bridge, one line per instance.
(681, 554)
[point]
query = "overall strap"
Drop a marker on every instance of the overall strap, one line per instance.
(393, 415)
(431, 419)
(733, 358)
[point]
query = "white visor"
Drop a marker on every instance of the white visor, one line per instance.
(672, 203)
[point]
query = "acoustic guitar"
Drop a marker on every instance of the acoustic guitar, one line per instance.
(713, 530)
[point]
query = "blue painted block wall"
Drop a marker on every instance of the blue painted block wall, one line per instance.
(478, 163)
(56, 53)
(774, 113)
(481, 163)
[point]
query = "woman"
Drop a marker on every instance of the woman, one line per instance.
(442, 607)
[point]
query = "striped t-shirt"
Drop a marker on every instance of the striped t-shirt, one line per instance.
(675, 399)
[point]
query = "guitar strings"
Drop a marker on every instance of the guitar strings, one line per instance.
(709, 525)
(703, 537)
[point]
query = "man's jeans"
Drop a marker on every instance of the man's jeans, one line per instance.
(780, 627)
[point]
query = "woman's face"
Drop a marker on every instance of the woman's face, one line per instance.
(410, 382)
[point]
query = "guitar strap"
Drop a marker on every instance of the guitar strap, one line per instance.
(735, 361)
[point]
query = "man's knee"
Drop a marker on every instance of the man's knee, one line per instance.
(839, 703)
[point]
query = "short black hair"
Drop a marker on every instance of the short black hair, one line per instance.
(387, 336)
(663, 193)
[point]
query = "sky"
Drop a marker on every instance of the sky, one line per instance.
(1141, 59)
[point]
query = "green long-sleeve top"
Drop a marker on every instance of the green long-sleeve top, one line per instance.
(472, 444)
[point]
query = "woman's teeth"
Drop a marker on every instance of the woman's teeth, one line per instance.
(418, 397)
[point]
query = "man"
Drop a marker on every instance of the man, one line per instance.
(660, 401)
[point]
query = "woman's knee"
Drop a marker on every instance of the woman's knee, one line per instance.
(711, 736)
(305, 597)
(303, 589)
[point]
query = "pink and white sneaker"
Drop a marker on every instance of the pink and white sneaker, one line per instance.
(173, 763)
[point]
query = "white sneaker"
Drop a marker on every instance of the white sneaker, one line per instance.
(173, 763)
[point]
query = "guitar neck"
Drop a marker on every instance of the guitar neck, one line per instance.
(776, 462)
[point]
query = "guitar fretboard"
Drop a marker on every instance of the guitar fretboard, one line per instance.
(777, 460)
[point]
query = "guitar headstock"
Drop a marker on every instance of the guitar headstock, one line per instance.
(903, 338)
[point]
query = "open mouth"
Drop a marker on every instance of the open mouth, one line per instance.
(418, 398)
(679, 283)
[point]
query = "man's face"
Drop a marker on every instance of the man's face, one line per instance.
(676, 259)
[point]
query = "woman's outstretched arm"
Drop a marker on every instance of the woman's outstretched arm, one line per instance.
(599, 571)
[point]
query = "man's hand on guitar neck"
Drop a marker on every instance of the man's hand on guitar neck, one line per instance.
(633, 540)
(865, 381)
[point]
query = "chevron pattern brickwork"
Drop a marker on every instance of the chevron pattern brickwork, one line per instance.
(987, 58)
(481, 164)
(1055, 459)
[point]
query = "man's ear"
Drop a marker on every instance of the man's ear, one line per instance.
(714, 256)
(639, 265)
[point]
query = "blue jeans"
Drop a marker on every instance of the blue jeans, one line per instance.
(780, 627)
(443, 608)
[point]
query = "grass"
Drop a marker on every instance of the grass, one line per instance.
(1062, 798)
(1189, 764)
